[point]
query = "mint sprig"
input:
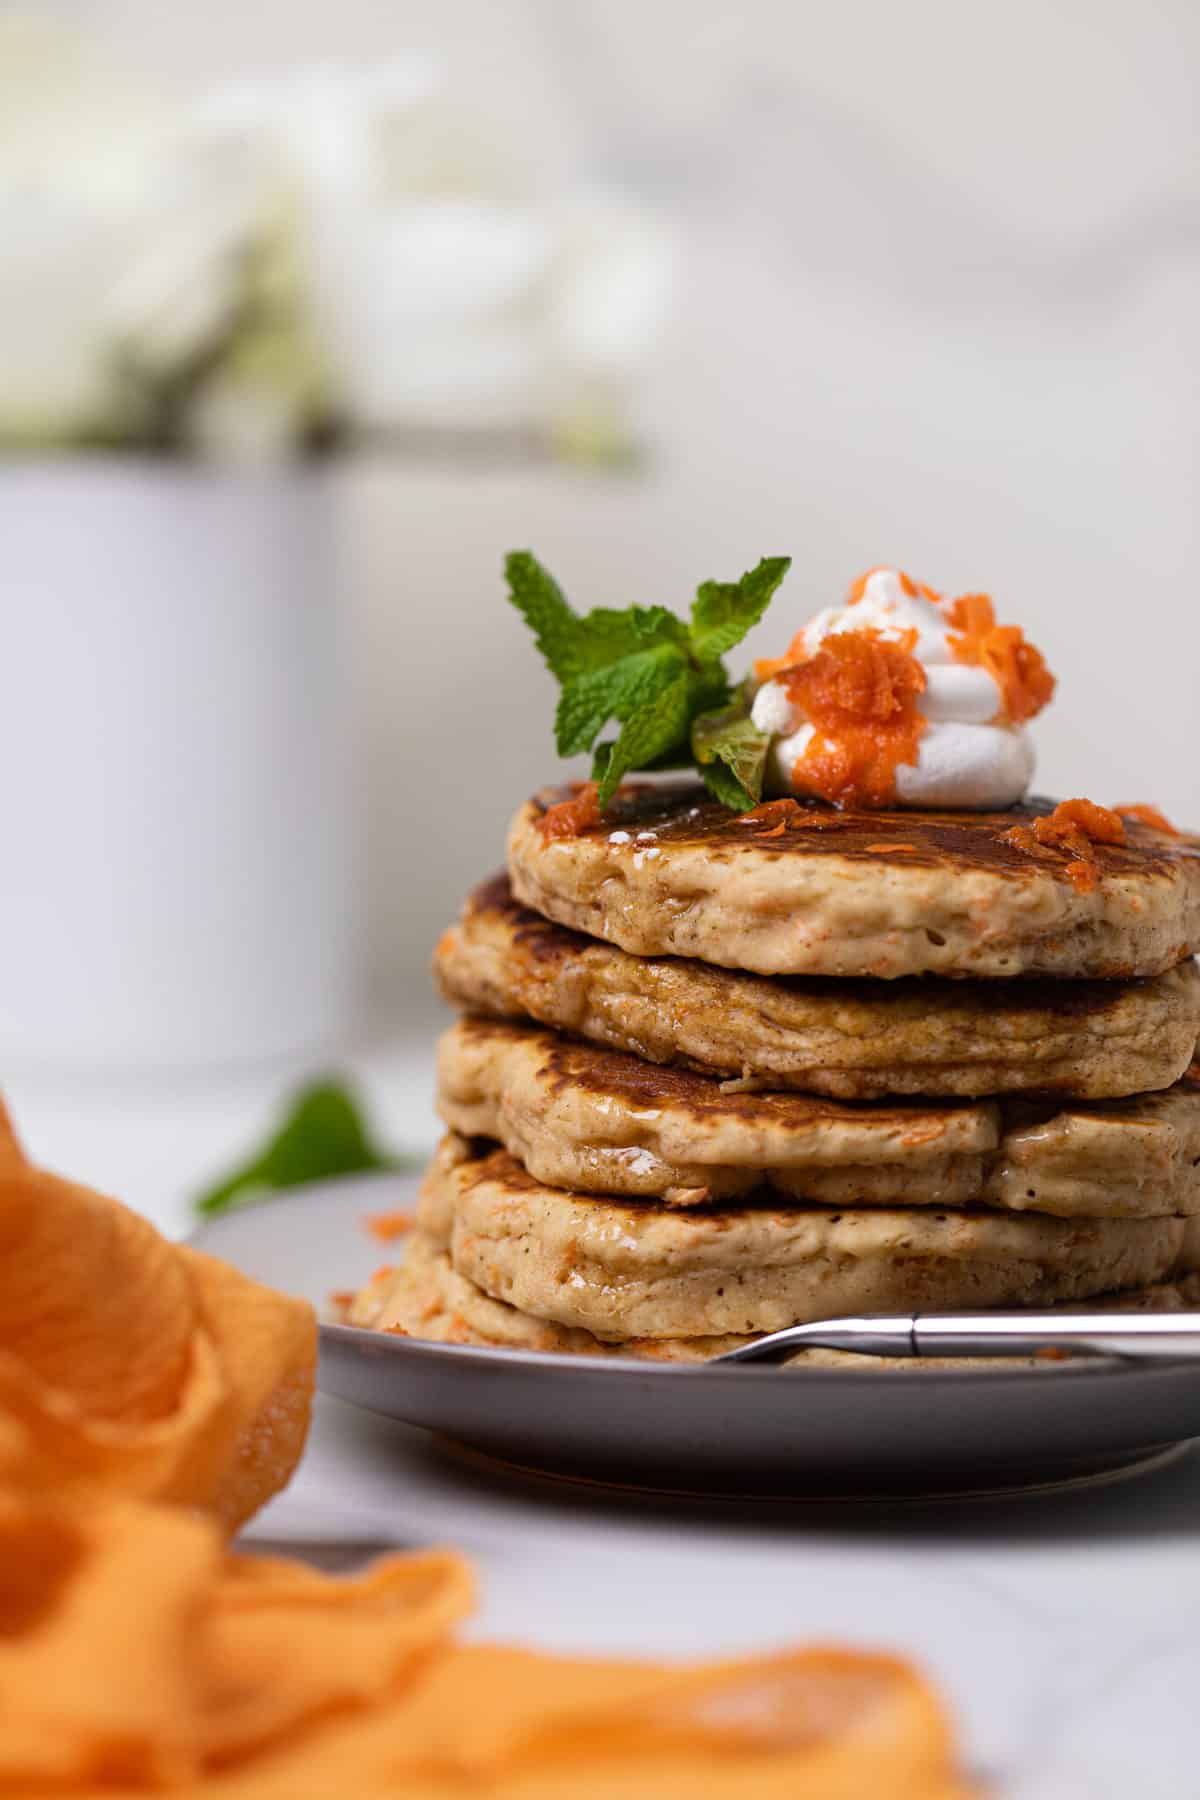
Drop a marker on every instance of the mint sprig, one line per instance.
(661, 680)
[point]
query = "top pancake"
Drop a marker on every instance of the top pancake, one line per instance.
(881, 894)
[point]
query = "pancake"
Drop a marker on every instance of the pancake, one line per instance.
(427, 1298)
(852, 1040)
(885, 894)
(624, 1269)
(606, 1123)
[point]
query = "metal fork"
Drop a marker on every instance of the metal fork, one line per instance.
(1136, 1336)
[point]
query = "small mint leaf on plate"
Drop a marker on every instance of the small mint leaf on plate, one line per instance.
(322, 1134)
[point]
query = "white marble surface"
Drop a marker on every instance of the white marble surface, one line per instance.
(1063, 1628)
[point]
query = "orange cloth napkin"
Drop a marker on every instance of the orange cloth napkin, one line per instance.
(138, 1656)
(132, 1365)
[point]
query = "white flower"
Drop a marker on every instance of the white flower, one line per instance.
(133, 238)
(455, 284)
(181, 294)
(77, 192)
(450, 280)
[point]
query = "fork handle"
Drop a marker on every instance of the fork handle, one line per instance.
(1135, 1335)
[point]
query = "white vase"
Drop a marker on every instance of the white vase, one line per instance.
(177, 884)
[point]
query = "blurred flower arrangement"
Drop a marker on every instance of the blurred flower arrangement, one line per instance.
(289, 265)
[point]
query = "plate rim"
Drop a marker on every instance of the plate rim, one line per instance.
(427, 1349)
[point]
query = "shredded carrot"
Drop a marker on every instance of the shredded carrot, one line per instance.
(570, 818)
(786, 815)
(770, 810)
(893, 849)
(796, 652)
(1097, 824)
(907, 585)
(860, 691)
(778, 814)
(388, 1225)
(1149, 815)
(1018, 668)
(858, 587)
(1073, 827)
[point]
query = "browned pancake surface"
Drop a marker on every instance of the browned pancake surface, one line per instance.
(681, 813)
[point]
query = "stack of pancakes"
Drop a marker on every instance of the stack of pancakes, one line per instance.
(718, 1074)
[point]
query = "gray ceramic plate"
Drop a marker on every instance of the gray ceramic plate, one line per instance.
(715, 1431)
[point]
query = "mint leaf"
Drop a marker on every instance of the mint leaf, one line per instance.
(542, 604)
(708, 688)
(572, 645)
(588, 701)
(724, 611)
(724, 786)
(584, 708)
(654, 729)
(322, 1134)
(662, 680)
(731, 753)
(606, 636)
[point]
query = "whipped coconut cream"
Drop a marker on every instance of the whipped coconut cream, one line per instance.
(969, 754)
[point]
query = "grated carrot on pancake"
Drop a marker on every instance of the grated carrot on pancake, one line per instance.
(1074, 826)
